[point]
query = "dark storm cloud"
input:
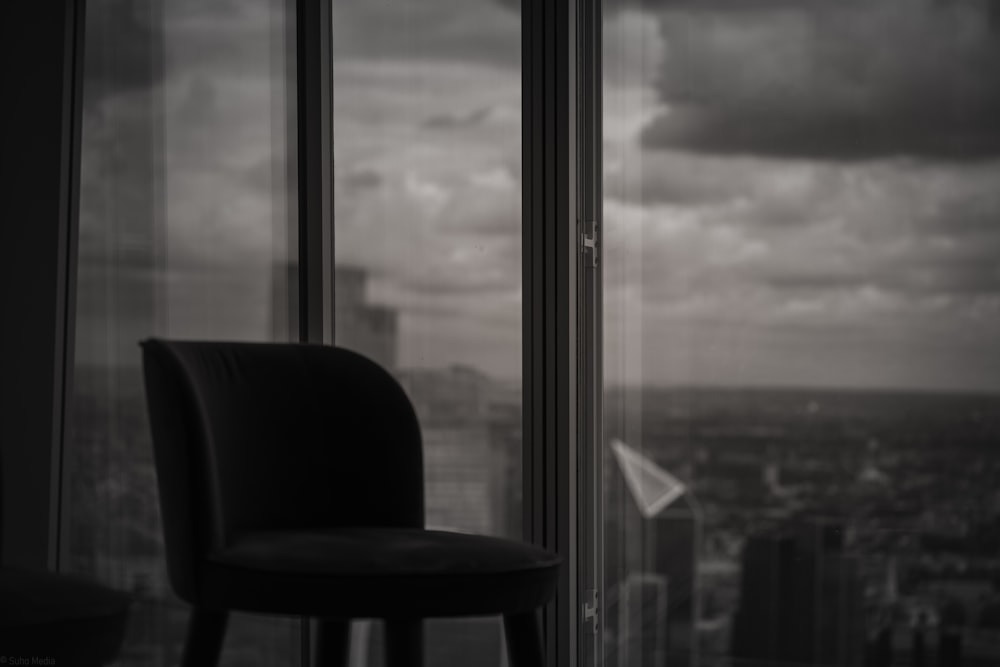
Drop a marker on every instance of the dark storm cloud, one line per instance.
(847, 82)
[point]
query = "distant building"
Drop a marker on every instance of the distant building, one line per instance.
(506, 436)
(360, 326)
(471, 428)
(801, 598)
(642, 619)
(457, 479)
(653, 526)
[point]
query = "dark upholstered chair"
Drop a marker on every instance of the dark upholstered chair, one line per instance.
(291, 483)
(67, 618)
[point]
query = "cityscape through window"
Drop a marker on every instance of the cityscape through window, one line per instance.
(427, 222)
(801, 242)
(184, 233)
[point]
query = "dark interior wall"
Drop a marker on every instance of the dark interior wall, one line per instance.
(37, 39)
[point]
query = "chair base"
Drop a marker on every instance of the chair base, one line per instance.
(206, 630)
(524, 640)
(333, 642)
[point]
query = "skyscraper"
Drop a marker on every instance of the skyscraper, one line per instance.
(801, 597)
(471, 436)
(642, 619)
(651, 589)
(471, 427)
(359, 325)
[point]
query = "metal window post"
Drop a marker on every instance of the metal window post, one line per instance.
(43, 47)
(550, 326)
(591, 384)
(314, 116)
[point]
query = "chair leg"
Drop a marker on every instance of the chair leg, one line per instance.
(333, 642)
(524, 640)
(404, 642)
(206, 630)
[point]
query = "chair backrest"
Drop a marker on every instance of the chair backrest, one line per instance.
(260, 436)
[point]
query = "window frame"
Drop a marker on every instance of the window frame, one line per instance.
(551, 344)
(590, 466)
(556, 354)
(555, 350)
(38, 256)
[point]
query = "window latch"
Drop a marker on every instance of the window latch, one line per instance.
(589, 610)
(588, 243)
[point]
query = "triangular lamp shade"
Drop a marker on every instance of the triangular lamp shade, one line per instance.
(652, 487)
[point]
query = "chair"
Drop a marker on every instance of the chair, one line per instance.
(67, 618)
(291, 483)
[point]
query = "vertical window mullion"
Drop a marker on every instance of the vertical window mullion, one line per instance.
(550, 304)
(314, 112)
(590, 360)
(36, 252)
(314, 148)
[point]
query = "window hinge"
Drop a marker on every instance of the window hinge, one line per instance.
(589, 610)
(588, 243)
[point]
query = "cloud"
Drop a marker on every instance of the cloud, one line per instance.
(133, 46)
(434, 237)
(360, 180)
(611, 6)
(884, 254)
(788, 258)
(442, 30)
(835, 81)
(440, 235)
(448, 121)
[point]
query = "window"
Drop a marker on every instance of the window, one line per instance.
(189, 228)
(427, 229)
(800, 328)
(787, 320)
(184, 232)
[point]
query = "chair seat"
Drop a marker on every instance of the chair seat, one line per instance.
(65, 617)
(379, 572)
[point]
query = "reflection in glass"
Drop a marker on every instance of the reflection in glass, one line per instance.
(802, 392)
(427, 168)
(184, 233)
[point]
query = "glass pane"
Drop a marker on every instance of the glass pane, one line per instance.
(427, 165)
(184, 233)
(802, 308)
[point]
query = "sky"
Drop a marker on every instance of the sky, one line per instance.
(803, 193)
(797, 192)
